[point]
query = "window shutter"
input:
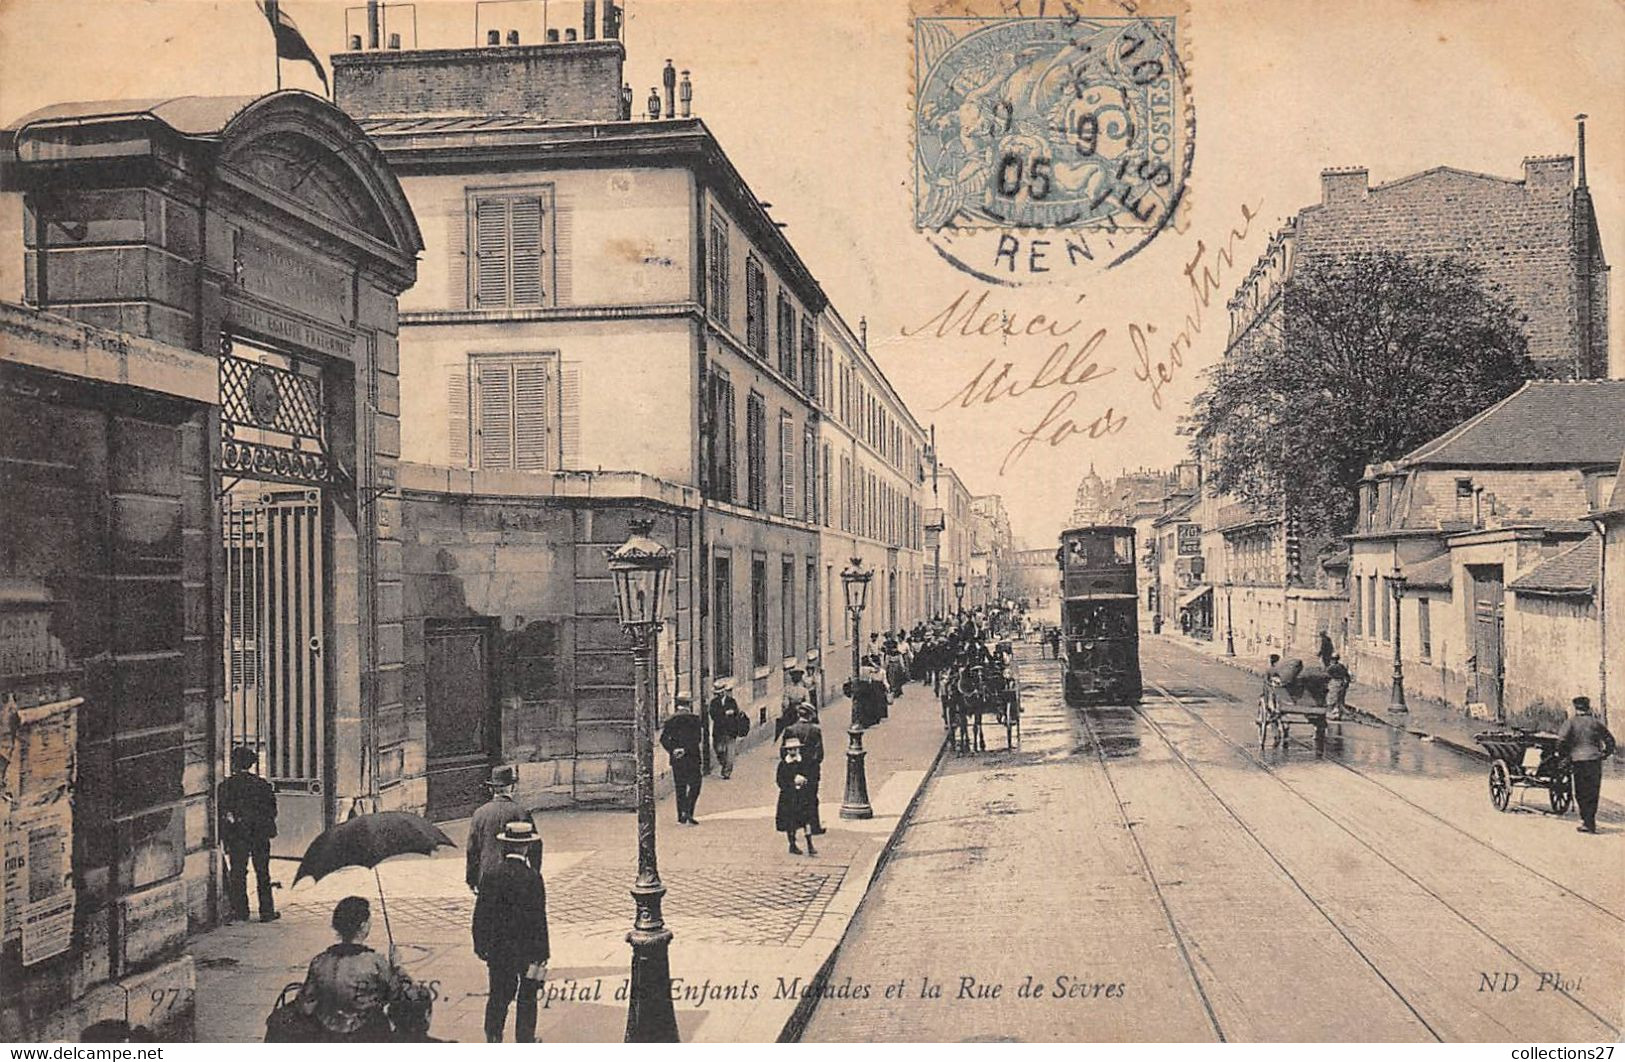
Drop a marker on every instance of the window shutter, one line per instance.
(809, 476)
(530, 416)
(457, 415)
(525, 217)
(787, 465)
(496, 417)
(490, 252)
(570, 415)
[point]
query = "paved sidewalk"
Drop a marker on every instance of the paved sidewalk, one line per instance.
(752, 923)
(1427, 719)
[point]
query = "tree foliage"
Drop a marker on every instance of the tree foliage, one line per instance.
(1367, 357)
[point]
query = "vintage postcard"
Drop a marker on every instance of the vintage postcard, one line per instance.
(866, 521)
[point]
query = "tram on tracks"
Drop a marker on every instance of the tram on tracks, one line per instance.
(1100, 630)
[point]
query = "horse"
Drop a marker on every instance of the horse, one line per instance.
(968, 695)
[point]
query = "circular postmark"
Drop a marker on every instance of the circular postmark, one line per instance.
(1048, 148)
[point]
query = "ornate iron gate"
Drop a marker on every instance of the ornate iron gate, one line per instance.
(276, 684)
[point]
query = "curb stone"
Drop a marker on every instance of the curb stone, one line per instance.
(850, 900)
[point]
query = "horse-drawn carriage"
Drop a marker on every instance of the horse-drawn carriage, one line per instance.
(1291, 693)
(975, 689)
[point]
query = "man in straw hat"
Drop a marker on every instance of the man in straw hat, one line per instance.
(1587, 744)
(484, 853)
(510, 933)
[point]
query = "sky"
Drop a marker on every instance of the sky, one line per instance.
(812, 101)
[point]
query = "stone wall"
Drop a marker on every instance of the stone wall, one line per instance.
(533, 568)
(109, 517)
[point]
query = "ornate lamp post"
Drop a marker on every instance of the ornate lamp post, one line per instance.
(1396, 700)
(959, 592)
(855, 805)
(1229, 619)
(641, 566)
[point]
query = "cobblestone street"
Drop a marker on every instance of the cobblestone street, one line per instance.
(1170, 882)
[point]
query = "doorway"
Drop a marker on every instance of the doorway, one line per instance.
(462, 729)
(1488, 620)
(276, 688)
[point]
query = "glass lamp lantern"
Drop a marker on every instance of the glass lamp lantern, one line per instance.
(855, 581)
(640, 566)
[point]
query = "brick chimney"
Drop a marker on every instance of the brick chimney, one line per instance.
(1348, 185)
(568, 81)
(1551, 174)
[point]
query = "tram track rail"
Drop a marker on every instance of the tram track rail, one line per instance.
(1248, 753)
(1151, 878)
(1567, 890)
(1252, 835)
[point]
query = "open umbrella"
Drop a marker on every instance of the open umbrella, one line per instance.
(366, 841)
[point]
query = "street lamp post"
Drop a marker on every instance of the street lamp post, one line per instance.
(1229, 619)
(855, 804)
(959, 592)
(640, 567)
(1396, 700)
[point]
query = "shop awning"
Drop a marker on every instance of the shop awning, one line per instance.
(1191, 598)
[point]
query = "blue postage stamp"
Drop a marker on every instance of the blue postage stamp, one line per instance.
(1070, 123)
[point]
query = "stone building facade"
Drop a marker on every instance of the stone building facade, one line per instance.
(1537, 241)
(609, 322)
(872, 493)
(202, 435)
(1489, 527)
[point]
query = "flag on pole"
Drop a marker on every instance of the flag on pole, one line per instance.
(290, 43)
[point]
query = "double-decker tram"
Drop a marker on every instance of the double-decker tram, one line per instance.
(1099, 626)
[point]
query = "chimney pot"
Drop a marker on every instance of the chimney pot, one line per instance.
(552, 36)
(513, 36)
(669, 77)
(685, 94)
(355, 42)
(570, 34)
(395, 41)
(493, 37)
(589, 20)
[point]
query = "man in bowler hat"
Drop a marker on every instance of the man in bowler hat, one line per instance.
(682, 738)
(484, 852)
(247, 812)
(510, 933)
(1587, 744)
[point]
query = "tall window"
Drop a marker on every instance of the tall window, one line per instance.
(722, 615)
(1387, 609)
(758, 612)
(1356, 599)
(812, 604)
(717, 266)
(510, 236)
(755, 307)
(829, 474)
(513, 415)
(756, 451)
(787, 336)
(788, 459)
(809, 356)
(809, 475)
(1424, 628)
(723, 439)
(787, 605)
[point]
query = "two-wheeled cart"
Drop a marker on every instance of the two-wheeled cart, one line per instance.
(1527, 759)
